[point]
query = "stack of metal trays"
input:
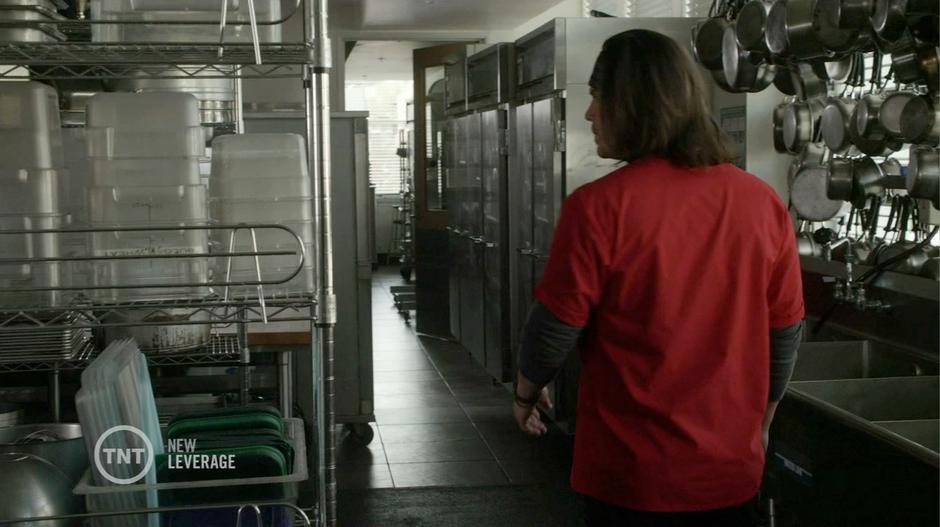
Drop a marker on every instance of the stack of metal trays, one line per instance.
(30, 343)
(30, 12)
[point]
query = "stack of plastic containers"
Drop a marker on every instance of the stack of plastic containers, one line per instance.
(144, 152)
(116, 391)
(32, 11)
(179, 12)
(32, 183)
(263, 179)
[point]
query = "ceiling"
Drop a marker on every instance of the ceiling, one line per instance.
(380, 60)
(433, 15)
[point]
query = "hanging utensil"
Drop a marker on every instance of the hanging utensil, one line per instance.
(923, 20)
(920, 121)
(890, 114)
(866, 119)
(915, 64)
(835, 123)
(790, 30)
(827, 30)
(810, 79)
(779, 144)
(808, 195)
(801, 123)
(889, 19)
(743, 69)
(851, 14)
(840, 180)
(838, 70)
(750, 26)
(706, 42)
(923, 174)
(784, 79)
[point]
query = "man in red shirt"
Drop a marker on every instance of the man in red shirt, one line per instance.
(677, 277)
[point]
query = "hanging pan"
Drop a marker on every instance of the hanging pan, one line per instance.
(920, 121)
(744, 70)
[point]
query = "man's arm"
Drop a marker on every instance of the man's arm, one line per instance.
(546, 342)
(784, 344)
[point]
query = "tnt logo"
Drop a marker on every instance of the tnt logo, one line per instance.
(114, 462)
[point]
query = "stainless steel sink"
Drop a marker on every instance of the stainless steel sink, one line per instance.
(884, 399)
(853, 360)
(925, 432)
(899, 410)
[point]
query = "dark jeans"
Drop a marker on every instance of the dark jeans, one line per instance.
(601, 514)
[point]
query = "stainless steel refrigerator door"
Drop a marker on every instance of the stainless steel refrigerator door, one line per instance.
(472, 321)
(454, 179)
(522, 217)
(547, 171)
(496, 261)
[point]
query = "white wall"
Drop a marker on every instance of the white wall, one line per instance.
(567, 8)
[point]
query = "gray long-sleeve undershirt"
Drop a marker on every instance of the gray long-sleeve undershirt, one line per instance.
(546, 341)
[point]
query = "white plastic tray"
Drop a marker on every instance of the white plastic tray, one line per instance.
(281, 210)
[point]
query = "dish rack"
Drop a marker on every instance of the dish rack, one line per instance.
(61, 327)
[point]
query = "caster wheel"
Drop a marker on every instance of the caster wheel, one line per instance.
(359, 433)
(405, 273)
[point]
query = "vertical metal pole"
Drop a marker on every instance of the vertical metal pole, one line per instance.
(286, 384)
(244, 395)
(317, 97)
(239, 110)
(55, 394)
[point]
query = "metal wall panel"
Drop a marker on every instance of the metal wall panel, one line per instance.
(453, 170)
(547, 191)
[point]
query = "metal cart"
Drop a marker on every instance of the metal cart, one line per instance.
(307, 61)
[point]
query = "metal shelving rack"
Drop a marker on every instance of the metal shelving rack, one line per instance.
(308, 61)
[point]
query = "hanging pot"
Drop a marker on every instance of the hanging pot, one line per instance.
(808, 195)
(743, 70)
(922, 19)
(869, 177)
(840, 180)
(810, 156)
(910, 265)
(719, 77)
(890, 115)
(827, 30)
(751, 24)
(706, 42)
(835, 123)
(838, 70)
(800, 123)
(923, 174)
(889, 19)
(784, 79)
(917, 64)
(920, 121)
(779, 144)
(810, 79)
(851, 14)
(790, 30)
(866, 119)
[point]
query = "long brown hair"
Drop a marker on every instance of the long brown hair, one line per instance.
(652, 101)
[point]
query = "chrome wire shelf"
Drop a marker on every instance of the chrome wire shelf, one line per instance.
(211, 310)
(88, 53)
(222, 349)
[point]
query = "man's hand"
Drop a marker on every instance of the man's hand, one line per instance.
(528, 417)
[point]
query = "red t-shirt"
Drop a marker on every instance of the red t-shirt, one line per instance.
(678, 275)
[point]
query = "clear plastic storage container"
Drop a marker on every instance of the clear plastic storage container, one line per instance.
(301, 283)
(127, 173)
(30, 245)
(139, 206)
(265, 11)
(113, 143)
(75, 200)
(259, 156)
(260, 188)
(142, 112)
(28, 105)
(269, 238)
(32, 191)
(234, 211)
(176, 278)
(30, 149)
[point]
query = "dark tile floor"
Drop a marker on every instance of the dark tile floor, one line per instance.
(440, 419)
